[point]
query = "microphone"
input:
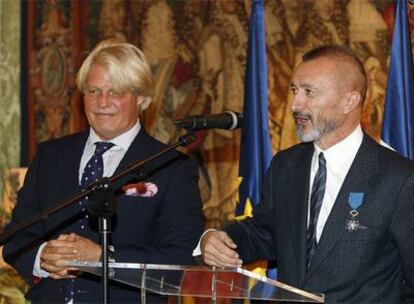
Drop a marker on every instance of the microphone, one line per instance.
(228, 120)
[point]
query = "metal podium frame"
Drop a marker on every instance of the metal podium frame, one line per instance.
(216, 284)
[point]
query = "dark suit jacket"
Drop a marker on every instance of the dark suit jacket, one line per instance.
(373, 265)
(162, 229)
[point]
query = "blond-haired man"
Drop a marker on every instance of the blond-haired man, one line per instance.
(157, 224)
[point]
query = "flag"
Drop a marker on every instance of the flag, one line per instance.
(255, 151)
(398, 123)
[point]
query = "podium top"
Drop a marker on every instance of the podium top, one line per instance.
(204, 282)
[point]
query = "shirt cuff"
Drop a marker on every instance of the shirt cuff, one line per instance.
(197, 250)
(37, 270)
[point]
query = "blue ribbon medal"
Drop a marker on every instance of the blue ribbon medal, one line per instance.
(355, 200)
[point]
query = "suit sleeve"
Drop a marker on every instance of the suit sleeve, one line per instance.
(178, 224)
(255, 236)
(20, 252)
(402, 227)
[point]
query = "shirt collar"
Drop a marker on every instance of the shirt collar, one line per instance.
(123, 141)
(344, 152)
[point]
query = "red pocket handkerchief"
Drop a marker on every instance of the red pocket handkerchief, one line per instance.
(140, 189)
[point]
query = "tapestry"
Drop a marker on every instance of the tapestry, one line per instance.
(197, 50)
(9, 85)
(12, 286)
(54, 47)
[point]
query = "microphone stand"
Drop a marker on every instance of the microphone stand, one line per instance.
(102, 192)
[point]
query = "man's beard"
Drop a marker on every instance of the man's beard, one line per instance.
(322, 126)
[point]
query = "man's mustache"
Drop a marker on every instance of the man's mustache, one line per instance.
(302, 115)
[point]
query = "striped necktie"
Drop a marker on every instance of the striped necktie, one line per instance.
(318, 192)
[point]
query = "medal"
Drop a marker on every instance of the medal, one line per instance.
(355, 200)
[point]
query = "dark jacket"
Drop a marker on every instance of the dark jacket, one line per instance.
(162, 229)
(373, 265)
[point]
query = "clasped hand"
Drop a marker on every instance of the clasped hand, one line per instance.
(57, 255)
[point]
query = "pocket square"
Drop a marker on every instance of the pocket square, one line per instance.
(140, 189)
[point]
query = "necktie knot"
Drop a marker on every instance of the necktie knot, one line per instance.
(102, 147)
(322, 160)
(95, 166)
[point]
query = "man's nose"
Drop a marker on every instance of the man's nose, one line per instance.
(103, 100)
(298, 102)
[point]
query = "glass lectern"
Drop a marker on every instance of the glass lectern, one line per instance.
(219, 285)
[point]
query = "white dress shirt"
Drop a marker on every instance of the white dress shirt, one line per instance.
(339, 159)
(111, 160)
(113, 156)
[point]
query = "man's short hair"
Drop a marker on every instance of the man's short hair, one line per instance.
(127, 66)
(341, 54)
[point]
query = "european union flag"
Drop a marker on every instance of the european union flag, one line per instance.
(398, 123)
(256, 151)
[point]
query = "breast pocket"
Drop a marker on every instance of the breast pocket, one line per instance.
(361, 235)
(358, 249)
(367, 230)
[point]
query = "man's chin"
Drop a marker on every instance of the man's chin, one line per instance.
(106, 134)
(307, 136)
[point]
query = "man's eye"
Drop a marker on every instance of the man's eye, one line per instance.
(93, 91)
(309, 92)
(113, 93)
(294, 90)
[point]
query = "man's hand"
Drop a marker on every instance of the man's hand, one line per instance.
(218, 249)
(87, 250)
(57, 254)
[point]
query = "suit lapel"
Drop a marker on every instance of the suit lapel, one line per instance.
(362, 169)
(139, 149)
(66, 177)
(70, 160)
(298, 211)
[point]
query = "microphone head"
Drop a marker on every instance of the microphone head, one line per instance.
(187, 123)
(228, 120)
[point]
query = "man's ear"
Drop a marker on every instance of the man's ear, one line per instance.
(352, 101)
(140, 100)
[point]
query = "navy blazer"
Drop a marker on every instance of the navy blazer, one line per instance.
(373, 265)
(162, 229)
